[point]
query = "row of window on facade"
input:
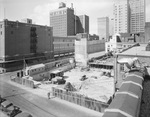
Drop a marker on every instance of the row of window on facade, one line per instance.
(63, 40)
(58, 13)
(34, 70)
(63, 45)
(121, 45)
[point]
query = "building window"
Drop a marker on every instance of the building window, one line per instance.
(121, 67)
(1, 32)
(0, 26)
(12, 25)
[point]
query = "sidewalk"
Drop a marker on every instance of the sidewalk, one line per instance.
(2, 114)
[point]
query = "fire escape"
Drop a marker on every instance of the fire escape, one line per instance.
(33, 40)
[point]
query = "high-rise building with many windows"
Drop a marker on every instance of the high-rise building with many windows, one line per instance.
(82, 24)
(137, 16)
(129, 16)
(66, 23)
(63, 21)
(103, 28)
(121, 16)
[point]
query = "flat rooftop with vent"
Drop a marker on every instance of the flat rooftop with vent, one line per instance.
(138, 51)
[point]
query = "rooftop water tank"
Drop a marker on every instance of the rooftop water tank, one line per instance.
(62, 5)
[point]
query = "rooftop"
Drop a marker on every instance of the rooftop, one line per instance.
(137, 51)
(108, 61)
(36, 66)
(97, 54)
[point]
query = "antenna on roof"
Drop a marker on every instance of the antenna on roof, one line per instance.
(75, 22)
(71, 5)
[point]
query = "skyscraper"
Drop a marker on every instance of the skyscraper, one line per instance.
(83, 24)
(137, 16)
(121, 16)
(103, 28)
(63, 21)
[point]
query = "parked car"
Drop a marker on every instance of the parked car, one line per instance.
(5, 105)
(15, 111)
(9, 110)
(58, 80)
(2, 100)
(24, 114)
(83, 78)
(61, 81)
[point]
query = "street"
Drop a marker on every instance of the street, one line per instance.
(39, 106)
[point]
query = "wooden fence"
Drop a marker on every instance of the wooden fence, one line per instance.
(23, 81)
(79, 99)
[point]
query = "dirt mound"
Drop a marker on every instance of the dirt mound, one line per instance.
(69, 87)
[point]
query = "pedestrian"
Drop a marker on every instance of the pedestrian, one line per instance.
(48, 94)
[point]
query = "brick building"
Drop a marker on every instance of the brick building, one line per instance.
(19, 41)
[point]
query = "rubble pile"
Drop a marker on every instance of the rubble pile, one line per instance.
(94, 83)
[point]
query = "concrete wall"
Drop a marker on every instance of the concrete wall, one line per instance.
(95, 46)
(64, 45)
(147, 32)
(83, 47)
(81, 54)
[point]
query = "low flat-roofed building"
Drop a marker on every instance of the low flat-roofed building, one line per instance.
(116, 44)
(140, 52)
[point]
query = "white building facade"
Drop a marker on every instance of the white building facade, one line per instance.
(129, 16)
(103, 28)
(121, 16)
(137, 16)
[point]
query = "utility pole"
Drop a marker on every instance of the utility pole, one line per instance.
(75, 21)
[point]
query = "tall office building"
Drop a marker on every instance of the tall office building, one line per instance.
(63, 21)
(137, 16)
(82, 24)
(111, 26)
(121, 16)
(103, 28)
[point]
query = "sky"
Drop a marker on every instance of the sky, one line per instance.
(38, 10)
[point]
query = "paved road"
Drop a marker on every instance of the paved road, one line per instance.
(39, 106)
